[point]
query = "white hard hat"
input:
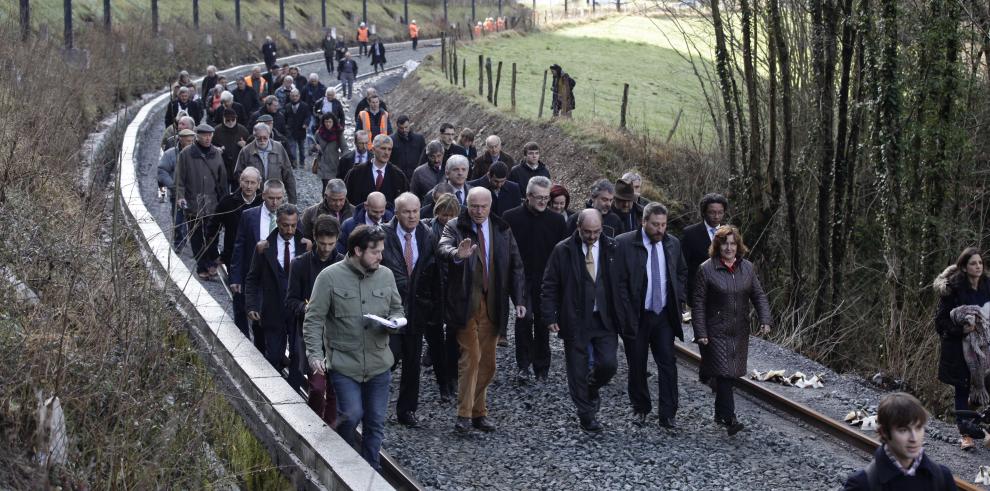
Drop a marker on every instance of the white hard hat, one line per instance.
(414, 21)
(362, 24)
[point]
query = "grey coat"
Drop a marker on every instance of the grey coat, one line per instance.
(200, 179)
(279, 166)
(721, 313)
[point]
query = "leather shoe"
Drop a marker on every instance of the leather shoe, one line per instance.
(667, 423)
(409, 420)
(483, 424)
(732, 425)
(639, 419)
(463, 425)
(591, 425)
(523, 377)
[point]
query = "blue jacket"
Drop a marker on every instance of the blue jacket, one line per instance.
(357, 219)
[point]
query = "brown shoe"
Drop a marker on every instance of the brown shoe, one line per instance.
(503, 341)
(966, 442)
(483, 424)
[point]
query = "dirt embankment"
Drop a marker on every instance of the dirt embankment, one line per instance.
(577, 153)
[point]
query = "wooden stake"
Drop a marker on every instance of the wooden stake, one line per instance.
(481, 75)
(543, 94)
(498, 81)
(488, 74)
(513, 90)
(625, 102)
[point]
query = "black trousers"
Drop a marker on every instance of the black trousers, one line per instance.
(328, 58)
(408, 347)
(415, 42)
(277, 339)
(436, 346)
(725, 403)
(533, 337)
(581, 378)
(655, 335)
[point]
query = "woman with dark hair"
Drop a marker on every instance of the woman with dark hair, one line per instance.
(560, 200)
(961, 284)
(725, 287)
(329, 137)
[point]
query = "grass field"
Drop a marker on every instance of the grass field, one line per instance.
(301, 15)
(661, 82)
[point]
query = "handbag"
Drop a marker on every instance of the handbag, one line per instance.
(316, 164)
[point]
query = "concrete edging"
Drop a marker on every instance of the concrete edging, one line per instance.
(276, 414)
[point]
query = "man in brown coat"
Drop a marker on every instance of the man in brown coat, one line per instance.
(270, 158)
(484, 270)
(493, 153)
(200, 184)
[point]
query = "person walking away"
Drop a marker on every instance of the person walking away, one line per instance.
(352, 347)
(961, 287)
(414, 34)
(727, 284)
(378, 55)
(901, 463)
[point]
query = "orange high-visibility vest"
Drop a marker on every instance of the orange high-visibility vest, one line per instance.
(363, 34)
(500, 23)
(264, 84)
(366, 125)
(413, 31)
(488, 25)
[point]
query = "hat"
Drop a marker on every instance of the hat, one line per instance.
(204, 128)
(414, 21)
(624, 190)
(362, 24)
(229, 113)
(265, 118)
(187, 132)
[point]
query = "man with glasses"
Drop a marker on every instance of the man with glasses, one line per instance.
(270, 158)
(447, 136)
(543, 229)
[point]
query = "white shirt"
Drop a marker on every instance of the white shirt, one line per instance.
(263, 223)
(280, 251)
(360, 158)
(594, 257)
(662, 260)
(374, 172)
(401, 232)
(711, 231)
(369, 222)
(462, 196)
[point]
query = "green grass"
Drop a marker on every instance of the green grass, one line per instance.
(656, 30)
(660, 81)
(301, 15)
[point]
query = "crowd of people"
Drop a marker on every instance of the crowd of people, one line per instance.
(441, 242)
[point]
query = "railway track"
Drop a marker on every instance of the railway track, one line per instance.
(835, 429)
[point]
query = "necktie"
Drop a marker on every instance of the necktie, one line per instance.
(408, 253)
(711, 232)
(656, 298)
(271, 222)
(378, 180)
(286, 258)
(589, 262)
(484, 259)
(459, 198)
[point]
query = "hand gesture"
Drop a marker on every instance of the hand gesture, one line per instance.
(318, 366)
(465, 249)
(702, 341)
(236, 288)
(764, 329)
(254, 316)
(554, 327)
(520, 311)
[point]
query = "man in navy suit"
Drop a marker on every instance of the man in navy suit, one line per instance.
(698, 237)
(505, 193)
(373, 212)
(408, 253)
(266, 286)
(255, 224)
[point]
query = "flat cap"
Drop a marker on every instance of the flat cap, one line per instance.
(204, 128)
(265, 118)
(187, 132)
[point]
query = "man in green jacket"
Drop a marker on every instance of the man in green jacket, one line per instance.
(355, 348)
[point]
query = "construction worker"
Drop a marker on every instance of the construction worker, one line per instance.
(362, 38)
(500, 23)
(489, 25)
(374, 120)
(477, 30)
(414, 33)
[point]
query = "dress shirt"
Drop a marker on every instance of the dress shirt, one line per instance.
(264, 221)
(401, 232)
(280, 253)
(662, 259)
(595, 248)
(711, 231)
(263, 153)
(369, 222)
(360, 158)
(374, 172)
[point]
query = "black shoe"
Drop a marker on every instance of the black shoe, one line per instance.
(591, 425)
(593, 392)
(541, 376)
(444, 394)
(732, 425)
(667, 423)
(503, 341)
(483, 424)
(409, 420)
(463, 425)
(523, 377)
(639, 419)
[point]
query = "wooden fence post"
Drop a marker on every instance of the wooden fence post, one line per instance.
(67, 18)
(443, 54)
(154, 16)
(464, 72)
(513, 90)
(196, 14)
(488, 74)
(673, 128)
(498, 81)
(25, 12)
(106, 15)
(481, 75)
(625, 102)
(543, 94)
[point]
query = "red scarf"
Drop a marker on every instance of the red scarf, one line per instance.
(731, 268)
(326, 134)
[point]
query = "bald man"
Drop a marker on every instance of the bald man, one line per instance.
(373, 212)
(483, 261)
(493, 153)
(578, 303)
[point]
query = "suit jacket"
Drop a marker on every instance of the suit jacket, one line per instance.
(228, 216)
(634, 260)
(302, 276)
(358, 218)
(360, 183)
(480, 166)
(507, 276)
(508, 197)
(346, 163)
(406, 151)
(564, 300)
(267, 283)
(695, 244)
(393, 257)
(248, 234)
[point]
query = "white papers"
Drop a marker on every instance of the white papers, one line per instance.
(387, 324)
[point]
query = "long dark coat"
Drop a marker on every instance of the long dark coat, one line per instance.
(952, 368)
(721, 311)
(393, 257)
(509, 279)
(633, 259)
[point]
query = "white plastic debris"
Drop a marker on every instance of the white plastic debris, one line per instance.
(409, 66)
(982, 475)
(861, 419)
(798, 379)
(51, 432)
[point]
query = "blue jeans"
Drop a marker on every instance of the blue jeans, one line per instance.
(365, 403)
(296, 149)
(178, 228)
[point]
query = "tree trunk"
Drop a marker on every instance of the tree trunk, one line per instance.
(725, 82)
(823, 60)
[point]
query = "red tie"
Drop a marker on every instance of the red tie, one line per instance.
(484, 259)
(285, 257)
(408, 252)
(378, 180)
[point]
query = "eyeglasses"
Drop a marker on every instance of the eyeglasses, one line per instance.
(540, 198)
